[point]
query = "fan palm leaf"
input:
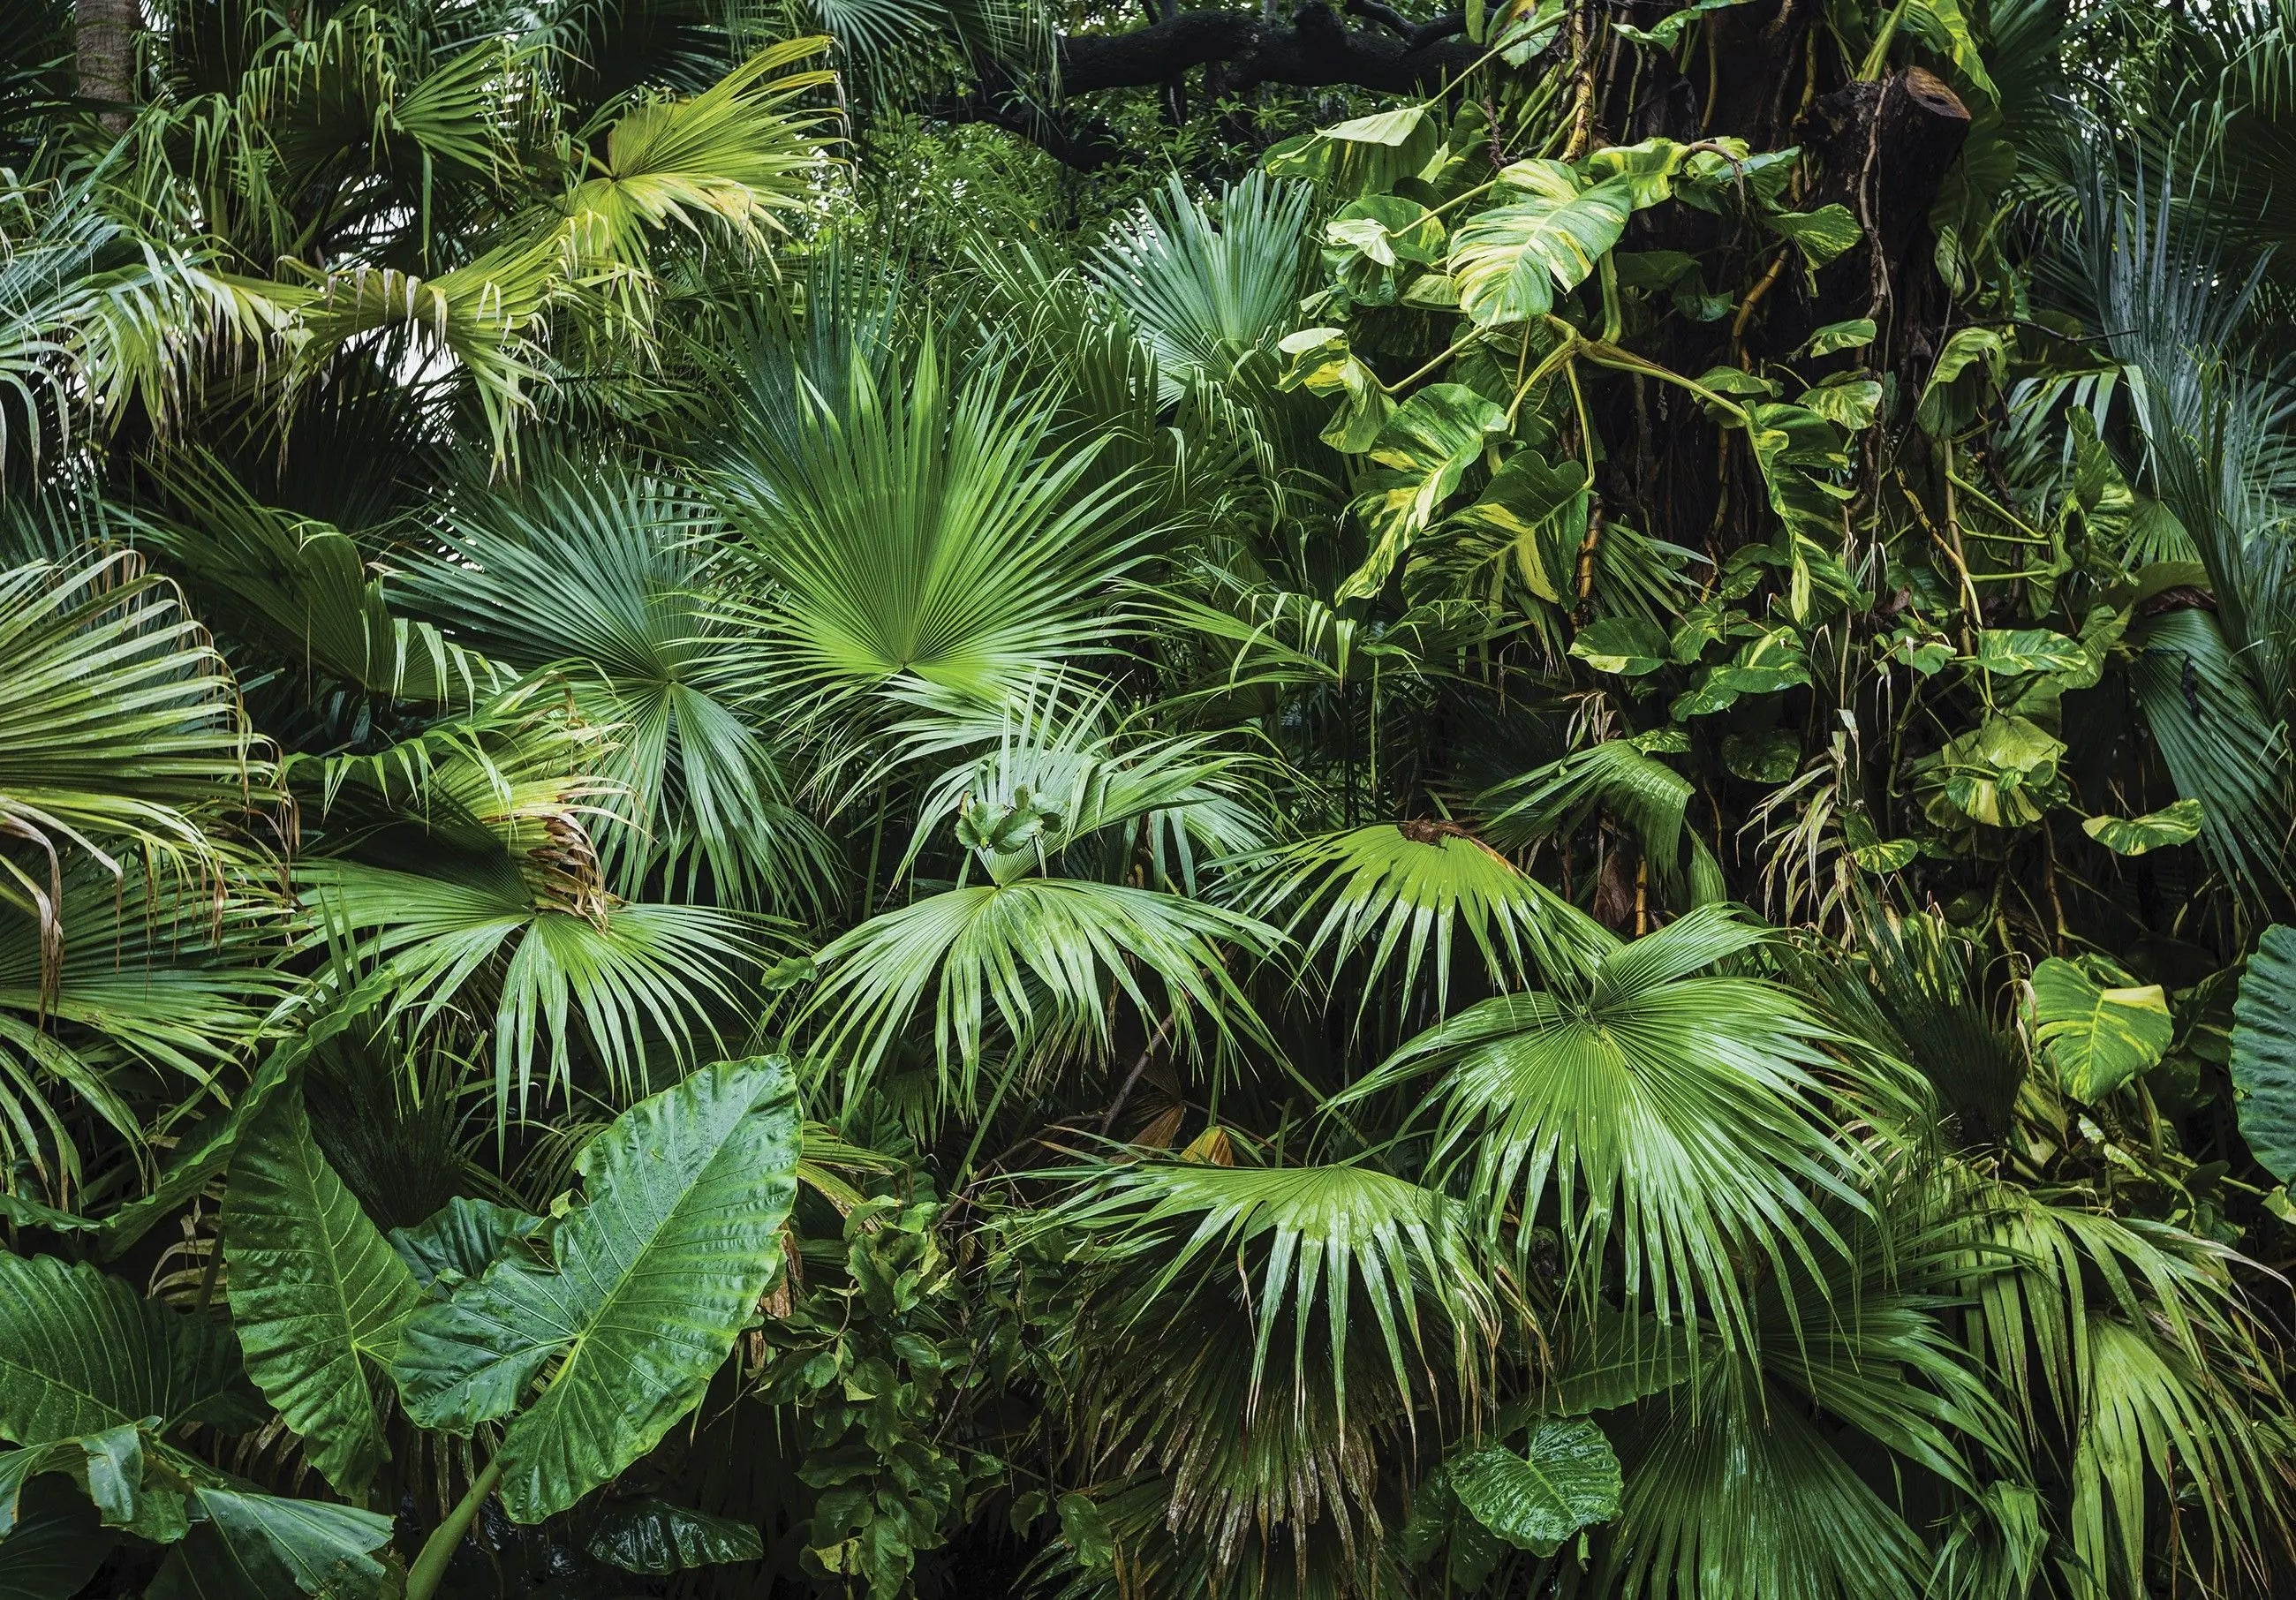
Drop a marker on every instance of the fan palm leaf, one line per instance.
(922, 531)
(1681, 1125)
(602, 578)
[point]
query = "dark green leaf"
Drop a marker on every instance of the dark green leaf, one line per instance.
(656, 1273)
(655, 1536)
(1566, 1479)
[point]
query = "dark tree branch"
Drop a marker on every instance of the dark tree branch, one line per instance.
(1313, 49)
(1241, 50)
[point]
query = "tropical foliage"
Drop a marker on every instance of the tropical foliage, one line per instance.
(942, 800)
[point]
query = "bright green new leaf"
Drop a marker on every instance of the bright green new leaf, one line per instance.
(1821, 235)
(1510, 260)
(2011, 653)
(317, 1294)
(2177, 824)
(1855, 334)
(1853, 405)
(2264, 1052)
(1540, 508)
(655, 1274)
(1566, 1479)
(2098, 1038)
(1362, 156)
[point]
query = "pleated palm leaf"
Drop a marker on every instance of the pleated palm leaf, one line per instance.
(147, 996)
(475, 884)
(923, 531)
(1674, 1127)
(603, 576)
(121, 733)
(1413, 889)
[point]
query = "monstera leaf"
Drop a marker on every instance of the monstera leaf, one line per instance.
(316, 1293)
(654, 1276)
(2264, 1052)
(81, 1353)
(1510, 260)
(2098, 1037)
(1566, 1479)
(1422, 452)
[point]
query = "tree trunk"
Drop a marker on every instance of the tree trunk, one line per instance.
(104, 38)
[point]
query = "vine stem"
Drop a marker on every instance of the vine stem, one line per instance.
(423, 1579)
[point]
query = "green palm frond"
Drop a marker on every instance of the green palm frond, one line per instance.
(141, 980)
(120, 730)
(1038, 957)
(1732, 1499)
(1643, 792)
(2131, 1338)
(603, 578)
(1683, 1123)
(1416, 886)
(1063, 783)
(1208, 296)
(641, 990)
(304, 590)
(1342, 1239)
(922, 532)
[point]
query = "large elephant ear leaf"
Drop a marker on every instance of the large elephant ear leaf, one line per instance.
(2264, 1052)
(316, 1291)
(1566, 1479)
(82, 1353)
(256, 1546)
(655, 1276)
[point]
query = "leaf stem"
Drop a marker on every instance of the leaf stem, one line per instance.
(423, 1579)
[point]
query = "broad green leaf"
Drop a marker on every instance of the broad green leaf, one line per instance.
(1821, 235)
(53, 1545)
(1540, 509)
(1628, 646)
(1566, 1479)
(1649, 167)
(81, 1353)
(1973, 359)
(2010, 652)
(655, 1536)
(110, 1472)
(459, 1241)
(1855, 334)
(316, 1293)
(2098, 1037)
(1319, 361)
(1424, 452)
(1851, 404)
(1363, 155)
(1943, 25)
(2178, 824)
(1764, 665)
(2263, 1062)
(1085, 1526)
(1510, 260)
(256, 1547)
(2002, 773)
(1768, 757)
(1387, 229)
(656, 1273)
